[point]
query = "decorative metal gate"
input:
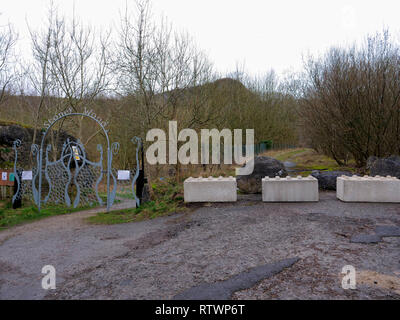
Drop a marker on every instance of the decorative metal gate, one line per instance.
(86, 175)
(71, 179)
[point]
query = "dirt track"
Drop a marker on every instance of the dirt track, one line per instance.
(166, 257)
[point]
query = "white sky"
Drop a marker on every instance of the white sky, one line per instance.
(262, 34)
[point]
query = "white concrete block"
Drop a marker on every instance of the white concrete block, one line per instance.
(368, 189)
(210, 189)
(290, 189)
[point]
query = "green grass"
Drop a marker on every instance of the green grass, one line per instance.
(10, 217)
(169, 199)
(286, 155)
(307, 160)
(127, 194)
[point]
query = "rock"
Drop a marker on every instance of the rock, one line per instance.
(389, 166)
(365, 238)
(387, 231)
(327, 179)
(370, 161)
(11, 132)
(289, 164)
(263, 167)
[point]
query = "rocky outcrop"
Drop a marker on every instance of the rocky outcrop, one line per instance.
(389, 166)
(263, 167)
(11, 132)
(327, 179)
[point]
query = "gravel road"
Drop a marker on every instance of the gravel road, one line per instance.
(166, 257)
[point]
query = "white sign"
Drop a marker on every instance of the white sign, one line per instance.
(123, 174)
(4, 176)
(26, 175)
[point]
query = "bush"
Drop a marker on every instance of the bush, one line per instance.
(351, 101)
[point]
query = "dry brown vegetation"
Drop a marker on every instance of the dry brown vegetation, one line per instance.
(351, 101)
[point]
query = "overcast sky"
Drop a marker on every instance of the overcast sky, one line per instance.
(262, 34)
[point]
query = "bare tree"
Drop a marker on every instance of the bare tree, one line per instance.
(156, 65)
(8, 38)
(135, 61)
(38, 74)
(158, 70)
(79, 64)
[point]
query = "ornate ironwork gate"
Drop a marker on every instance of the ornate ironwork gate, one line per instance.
(86, 174)
(73, 170)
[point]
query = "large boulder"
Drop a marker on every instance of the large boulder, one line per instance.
(263, 166)
(327, 179)
(384, 166)
(11, 132)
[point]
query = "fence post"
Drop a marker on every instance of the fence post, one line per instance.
(18, 200)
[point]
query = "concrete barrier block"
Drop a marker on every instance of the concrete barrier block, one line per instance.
(290, 189)
(368, 189)
(210, 189)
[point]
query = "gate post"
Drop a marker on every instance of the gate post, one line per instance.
(108, 178)
(40, 166)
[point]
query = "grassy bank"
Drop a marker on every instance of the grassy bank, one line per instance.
(169, 199)
(307, 160)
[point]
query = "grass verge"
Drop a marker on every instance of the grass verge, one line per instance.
(307, 160)
(10, 217)
(169, 199)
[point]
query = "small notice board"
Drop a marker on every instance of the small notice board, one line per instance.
(6, 178)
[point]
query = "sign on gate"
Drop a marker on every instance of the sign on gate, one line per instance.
(6, 178)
